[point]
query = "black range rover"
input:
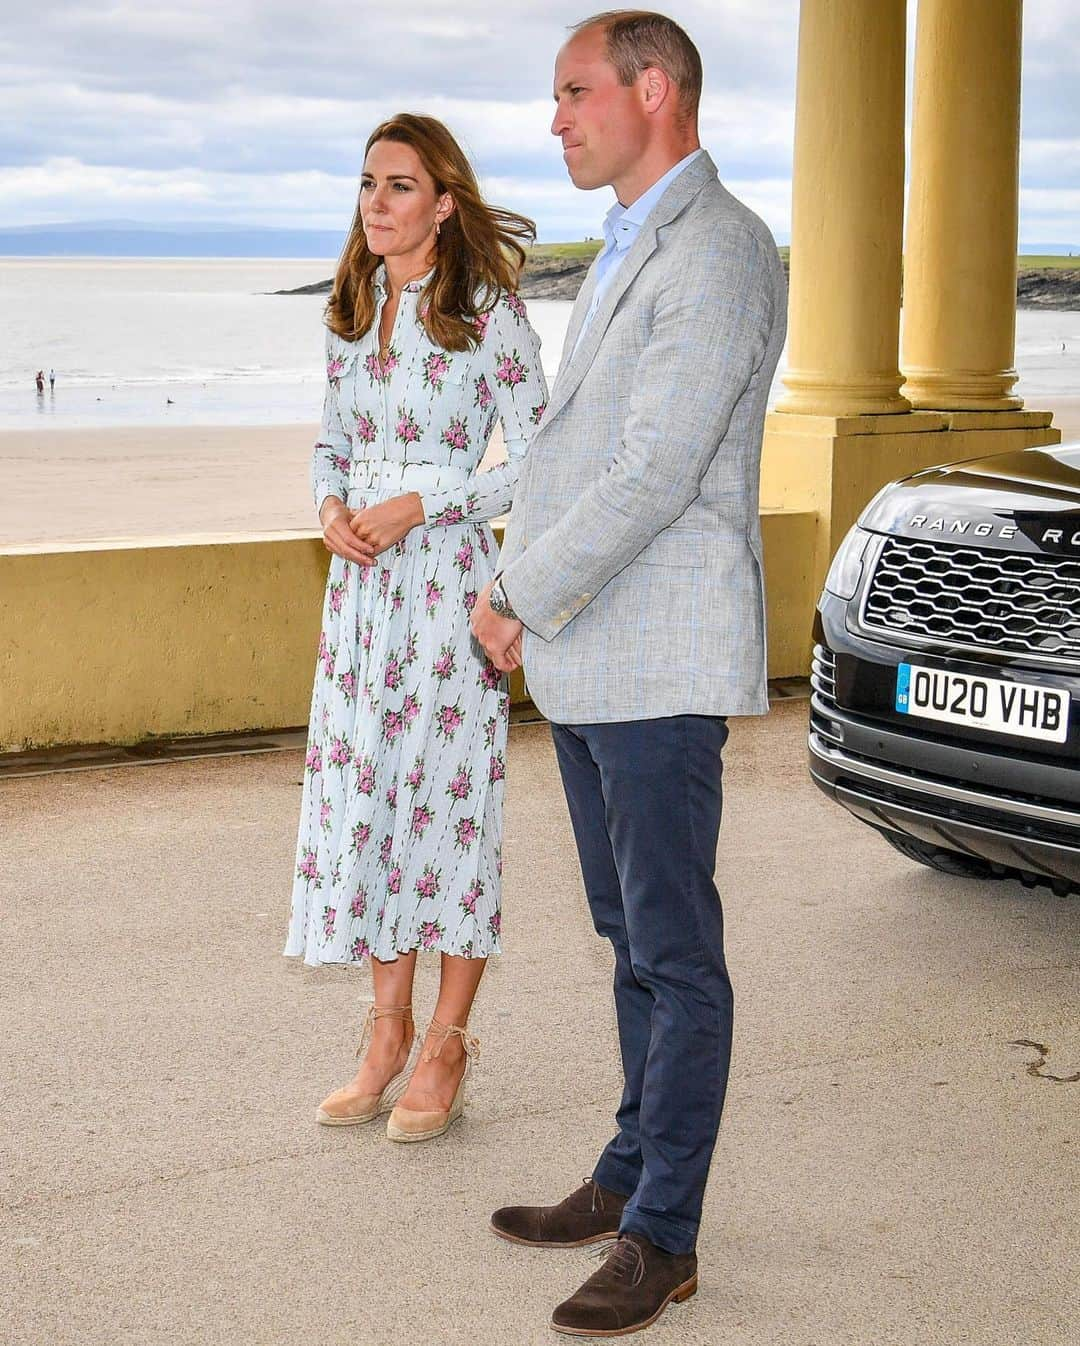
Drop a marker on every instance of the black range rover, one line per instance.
(945, 705)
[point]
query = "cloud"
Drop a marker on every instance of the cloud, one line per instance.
(307, 199)
(257, 110)
(1049, 165)
(270, 91)
(1050, 215)
(474, 50)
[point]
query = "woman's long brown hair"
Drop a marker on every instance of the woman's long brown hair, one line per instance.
(478, 250)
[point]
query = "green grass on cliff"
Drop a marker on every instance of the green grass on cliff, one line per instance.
(1030, 262)
(544, 252)
(548, 252)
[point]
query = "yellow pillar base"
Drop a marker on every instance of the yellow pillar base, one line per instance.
(962, 390)
(833, 465)
(816, 393)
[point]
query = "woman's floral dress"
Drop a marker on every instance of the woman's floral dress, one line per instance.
(400, 833)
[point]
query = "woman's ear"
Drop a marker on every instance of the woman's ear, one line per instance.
(444, 207)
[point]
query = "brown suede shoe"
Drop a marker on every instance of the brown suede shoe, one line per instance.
(630, 1291)
(588, 1215)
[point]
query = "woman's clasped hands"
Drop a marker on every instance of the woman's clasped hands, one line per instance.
(361, 534)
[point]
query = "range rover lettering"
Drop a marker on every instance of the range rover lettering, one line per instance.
(945, 701)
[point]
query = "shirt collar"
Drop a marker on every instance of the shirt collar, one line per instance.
(621, 223)
(413, 287)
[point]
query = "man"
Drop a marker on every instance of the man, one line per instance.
(632, 577)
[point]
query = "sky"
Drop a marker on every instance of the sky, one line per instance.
(255, 112)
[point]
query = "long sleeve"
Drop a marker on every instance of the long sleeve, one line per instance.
(333, 449)
(709, 334)
(512, 386)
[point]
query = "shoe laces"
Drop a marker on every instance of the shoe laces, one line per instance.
(597, 1195)
(625, 1259)
(446, 1031)
(381, 1012)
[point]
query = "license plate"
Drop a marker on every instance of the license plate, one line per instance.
(1021, 708)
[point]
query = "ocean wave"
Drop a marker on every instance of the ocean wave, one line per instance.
(78, 378)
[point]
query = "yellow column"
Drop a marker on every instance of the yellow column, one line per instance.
(847, 210)
(960, 275)
(845, 283)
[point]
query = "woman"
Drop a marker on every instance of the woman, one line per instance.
(401, 822)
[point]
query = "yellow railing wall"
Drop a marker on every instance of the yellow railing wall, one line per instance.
(121, 642)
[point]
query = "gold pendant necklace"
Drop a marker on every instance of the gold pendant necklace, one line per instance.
(384, 344)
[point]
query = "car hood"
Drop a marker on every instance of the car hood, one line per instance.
(1028, 501)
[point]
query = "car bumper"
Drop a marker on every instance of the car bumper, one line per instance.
(1014, 807)
(1035, 840)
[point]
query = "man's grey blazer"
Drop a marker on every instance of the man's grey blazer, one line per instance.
(633, 551)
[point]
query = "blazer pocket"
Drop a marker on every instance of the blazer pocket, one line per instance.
(676, 547)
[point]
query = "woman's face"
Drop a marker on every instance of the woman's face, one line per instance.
(399, 205)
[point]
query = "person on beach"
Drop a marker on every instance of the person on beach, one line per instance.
(52, 379)
(400, 836)
(632, 567)
(39, 379)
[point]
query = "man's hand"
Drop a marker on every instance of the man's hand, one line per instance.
(338, 537)
(384, 524)
(500, 636)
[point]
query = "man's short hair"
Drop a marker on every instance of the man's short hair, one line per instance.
(638, 39)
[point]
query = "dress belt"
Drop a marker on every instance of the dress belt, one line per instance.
(386, 478)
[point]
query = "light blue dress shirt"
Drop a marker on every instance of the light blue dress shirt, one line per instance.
(621, 226)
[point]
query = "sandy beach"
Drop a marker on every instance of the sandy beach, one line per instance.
(136, 482)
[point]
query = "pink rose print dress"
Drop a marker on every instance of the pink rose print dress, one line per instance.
(400, 834)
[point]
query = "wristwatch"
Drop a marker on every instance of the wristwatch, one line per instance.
(500, 604)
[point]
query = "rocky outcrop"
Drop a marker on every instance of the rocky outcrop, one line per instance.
(318, 287)
(1049, 288)
(554, 277)
(561, 278)
(544, 278)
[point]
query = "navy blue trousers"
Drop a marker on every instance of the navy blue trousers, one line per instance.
(645, 801)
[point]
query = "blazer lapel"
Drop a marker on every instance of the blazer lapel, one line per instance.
(578, 312)
(573, 366)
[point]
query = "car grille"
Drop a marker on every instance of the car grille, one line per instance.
(1018, 604)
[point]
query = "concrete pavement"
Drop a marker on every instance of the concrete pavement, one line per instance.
(890, 1169)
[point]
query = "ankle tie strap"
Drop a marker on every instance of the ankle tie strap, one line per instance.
(446, 1031)
(381, 1012)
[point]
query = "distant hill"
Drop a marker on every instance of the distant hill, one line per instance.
(556, 271)
(553, 271)
(124, 238)
(1049, 276)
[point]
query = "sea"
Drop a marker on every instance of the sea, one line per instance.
(153, 342)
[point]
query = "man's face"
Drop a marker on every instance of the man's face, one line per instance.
(602, 124)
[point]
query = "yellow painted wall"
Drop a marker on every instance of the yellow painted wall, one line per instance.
(121, 643)
(116, 643)
(789, 538)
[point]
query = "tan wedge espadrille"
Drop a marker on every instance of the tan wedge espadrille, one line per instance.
(345, 1108)
(406, 1125)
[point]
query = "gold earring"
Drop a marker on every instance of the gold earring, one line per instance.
(436, 228)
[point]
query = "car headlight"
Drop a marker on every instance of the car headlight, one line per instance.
(846, 569)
